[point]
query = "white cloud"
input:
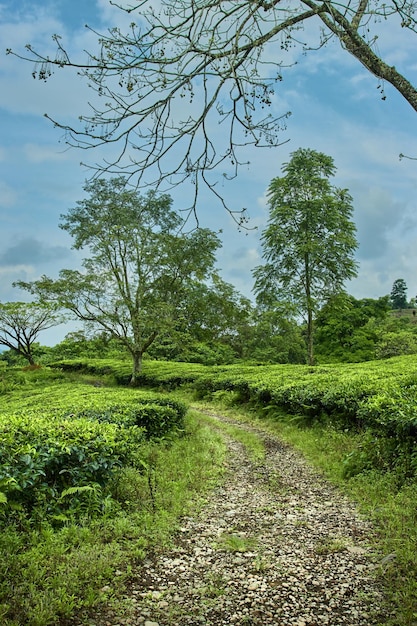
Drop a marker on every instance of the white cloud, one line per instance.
(8, 275)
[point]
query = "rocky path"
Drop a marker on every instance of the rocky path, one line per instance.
(276, 545)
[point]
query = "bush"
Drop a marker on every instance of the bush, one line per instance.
(41, 458)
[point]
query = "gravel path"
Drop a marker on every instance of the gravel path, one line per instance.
(275, 545)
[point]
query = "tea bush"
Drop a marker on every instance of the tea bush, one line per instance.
(42, 457)
(379, 396)
(60, 444)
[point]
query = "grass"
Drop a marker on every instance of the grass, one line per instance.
(47, 574)
(234, 542)
(331, 546)
(250, 440)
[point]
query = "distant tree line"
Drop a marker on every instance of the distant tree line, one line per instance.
(150, 289)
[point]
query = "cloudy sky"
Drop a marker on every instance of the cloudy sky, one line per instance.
(336, 108)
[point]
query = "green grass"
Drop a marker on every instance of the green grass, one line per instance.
(232, 542)
(251, 441)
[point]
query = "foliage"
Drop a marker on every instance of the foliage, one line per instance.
(138, 269)
(274, 337)
(379, 395)
(41, 459)
(210, 326)
(54, 459)
(218, 65)
(215, 312)
(53, 574)
(80, 344)
(349, 330)
(13, 378)
(21, 323)
(390, 344)
(399, 294)
(309, 242)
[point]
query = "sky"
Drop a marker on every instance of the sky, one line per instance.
(336, 108)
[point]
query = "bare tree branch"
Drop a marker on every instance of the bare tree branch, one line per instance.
(183, 90)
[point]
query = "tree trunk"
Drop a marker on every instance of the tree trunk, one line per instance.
(310, 346)
(310, 343)
(137, 368)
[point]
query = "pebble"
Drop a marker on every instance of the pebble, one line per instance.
(308, 561)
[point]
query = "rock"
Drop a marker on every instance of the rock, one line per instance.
(286, 510)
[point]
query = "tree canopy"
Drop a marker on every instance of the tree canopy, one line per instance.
(347, 329)
(138, 268)
(398, 294)
(309, 242)
(182, 66)
(21, 323)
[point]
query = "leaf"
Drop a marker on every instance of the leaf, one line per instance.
(76, 490)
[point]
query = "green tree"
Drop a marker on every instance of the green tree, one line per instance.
(348, 330)
(139, 265)
(210, 325)
(309, 242)
(220, 60)
(216, 311)
(275, 337)
(77, 344)
(399, 294)
(21, 323)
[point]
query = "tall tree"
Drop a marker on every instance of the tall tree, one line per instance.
(217, 60)
(399, 294)
(309, 242)
(21, 323)
(139, 265)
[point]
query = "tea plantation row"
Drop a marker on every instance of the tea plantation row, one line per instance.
(378, 397)
(61, 444)
(377, 394)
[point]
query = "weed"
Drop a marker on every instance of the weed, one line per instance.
(330, 546)
(260, 564)
(215, 586)
(235, 543)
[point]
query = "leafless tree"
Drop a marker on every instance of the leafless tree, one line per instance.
(191, 82)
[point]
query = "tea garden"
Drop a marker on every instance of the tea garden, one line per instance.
(94, 473)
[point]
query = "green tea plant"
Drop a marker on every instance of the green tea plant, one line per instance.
(90, 478)
(41, 457)
(61, 444)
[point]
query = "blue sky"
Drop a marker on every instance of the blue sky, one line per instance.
(336, 108)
